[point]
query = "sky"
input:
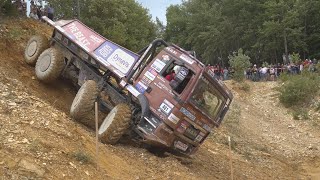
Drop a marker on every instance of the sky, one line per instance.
(157, 8)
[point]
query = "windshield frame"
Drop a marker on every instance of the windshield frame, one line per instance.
(219, 95)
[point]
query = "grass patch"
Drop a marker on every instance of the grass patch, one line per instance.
(82, 157)
(244, 86)
(299, 89)
(300, 114)
(15, 34)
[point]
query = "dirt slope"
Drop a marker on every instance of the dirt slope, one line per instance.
(38, 139)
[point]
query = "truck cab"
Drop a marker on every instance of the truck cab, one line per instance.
(184, 108)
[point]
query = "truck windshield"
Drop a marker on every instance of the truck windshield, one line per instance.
(207, 98)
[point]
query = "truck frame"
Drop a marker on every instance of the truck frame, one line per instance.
(168, 99)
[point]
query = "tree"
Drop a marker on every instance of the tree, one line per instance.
(239, 62)
(160, 28)
(265, 29)
(123, 21)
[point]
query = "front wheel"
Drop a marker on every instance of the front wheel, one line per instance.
(115, 124)
(83, 103)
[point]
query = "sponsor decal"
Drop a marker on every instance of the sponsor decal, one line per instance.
(180, 145)
(145, 80)
(118, 57)
(149, 75)
(199, 137)
(183, 126)
(132, 90)
(206, 127)
(141, 87)
(187, 113)
(158, 65)
(171, 50)
(211, 73)
(173, 118)
(166, 107)
(165, 58)
(186, 58)
(85, 37)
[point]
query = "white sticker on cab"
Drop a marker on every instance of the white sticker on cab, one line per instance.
(158, 65)
(173, 118)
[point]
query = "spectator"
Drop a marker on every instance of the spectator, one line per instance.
(33, 14)
(263, 72)
(39, 12)
(272, 73)
(50, 12)
(255, 73)
(225, 73)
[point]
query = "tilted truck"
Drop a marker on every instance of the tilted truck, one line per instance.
(177, 113)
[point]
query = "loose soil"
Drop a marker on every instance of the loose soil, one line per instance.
(39, 140)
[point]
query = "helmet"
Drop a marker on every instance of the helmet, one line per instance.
(176, 69)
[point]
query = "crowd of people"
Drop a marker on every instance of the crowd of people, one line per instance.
(266, 72)
(36, 9)
(272, 72)
(221, 73)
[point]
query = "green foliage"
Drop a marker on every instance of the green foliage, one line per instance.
(295, 57)
(299, 89)
(123, 21)
(265, 64)
(8, 8)
(300, 114)
(265, 28)
(82, 157)
(240, 62)
(245, 86)
(284, 77)
(15, 34)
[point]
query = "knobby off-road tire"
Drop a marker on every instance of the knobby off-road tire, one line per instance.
(35, 46)
(49, 65)
(83, 103)
(115, 124)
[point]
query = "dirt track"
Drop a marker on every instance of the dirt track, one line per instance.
(39, 140)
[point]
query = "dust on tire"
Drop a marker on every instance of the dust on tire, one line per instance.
(35, 46)
(117, 124)
(49, 65)
(83, 103)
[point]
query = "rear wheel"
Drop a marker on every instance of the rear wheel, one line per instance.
(35, 46)
(49, 65)
(83, 103)
(115, 124)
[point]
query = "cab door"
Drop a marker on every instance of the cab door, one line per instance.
(155, 87)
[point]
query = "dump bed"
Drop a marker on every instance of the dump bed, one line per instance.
(105, 52)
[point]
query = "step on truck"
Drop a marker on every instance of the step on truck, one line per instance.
(162, 95)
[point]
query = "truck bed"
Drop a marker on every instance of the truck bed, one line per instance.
(102, 51)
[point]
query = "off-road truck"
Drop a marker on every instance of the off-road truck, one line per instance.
(176, 113)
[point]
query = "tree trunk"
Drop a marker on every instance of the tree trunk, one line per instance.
(285, 45)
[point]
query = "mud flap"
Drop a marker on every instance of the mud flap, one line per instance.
(144, 103)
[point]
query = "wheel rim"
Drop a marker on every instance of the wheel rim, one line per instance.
(78, 97)
(32, 48)
(108, 120)
(45, 62)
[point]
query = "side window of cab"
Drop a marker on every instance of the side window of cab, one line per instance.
(177, 74)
